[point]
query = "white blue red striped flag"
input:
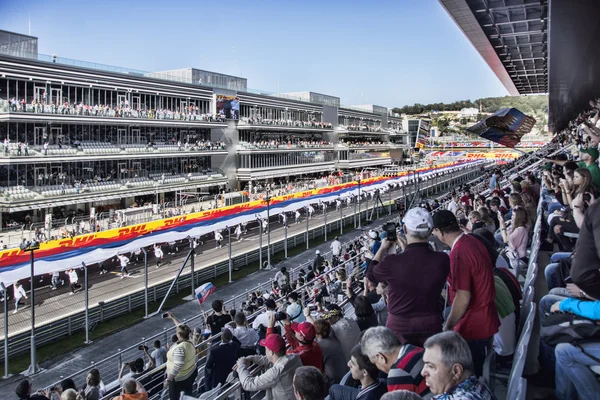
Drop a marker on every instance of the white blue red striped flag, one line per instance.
(203, 291)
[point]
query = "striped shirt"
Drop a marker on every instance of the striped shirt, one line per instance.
(181, 360)
(405, 374)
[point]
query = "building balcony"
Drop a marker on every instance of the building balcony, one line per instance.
(247, 174)
(92, 151)
(245, 147)
(107, 115)
(21, 198)
(283, 125)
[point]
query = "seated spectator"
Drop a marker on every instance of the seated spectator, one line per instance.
(505, 340)
(449, 371)
(381, 308)
(221, 360)
(135, 369)
(574, 378)
(70, 394)
(309, 384)
(278, 379)
(23, 392)
(473, 313)
(334, 362)
(366, 373)
(132, 390)
(247, 337)
(518, 236)
(401, 363)
(413, 303)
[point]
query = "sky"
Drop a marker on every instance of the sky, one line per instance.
(385, 52)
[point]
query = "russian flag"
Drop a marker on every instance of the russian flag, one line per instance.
(203, 291)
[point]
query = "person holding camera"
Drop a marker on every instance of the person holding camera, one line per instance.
(413, 302)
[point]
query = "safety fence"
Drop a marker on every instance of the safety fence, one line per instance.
(67, 325)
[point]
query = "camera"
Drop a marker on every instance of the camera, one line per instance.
(142, 347)
(280, 316)
(311, 307)
(165, 315)
(390, 231)
(587, 197)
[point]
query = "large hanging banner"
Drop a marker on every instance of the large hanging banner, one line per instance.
(506, 127)
(63, 254)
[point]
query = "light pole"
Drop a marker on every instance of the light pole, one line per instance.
(268, 200)
(33, 367)
(5, 294)
(358, 201)
(87, 304)
(230, 260)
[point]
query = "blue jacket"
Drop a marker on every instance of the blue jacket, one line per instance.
(583, 308)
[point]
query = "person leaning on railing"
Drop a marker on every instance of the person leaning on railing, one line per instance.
(181, 362)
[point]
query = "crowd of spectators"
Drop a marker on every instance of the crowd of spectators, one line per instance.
(120, 110)
(362, 128)
(261, 142)
(284, 122)
(362, 142)
(410, 309)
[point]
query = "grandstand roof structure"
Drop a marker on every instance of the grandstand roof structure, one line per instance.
(511, 36)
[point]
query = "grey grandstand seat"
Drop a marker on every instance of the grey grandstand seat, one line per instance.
(521, 389)
(516, 372)
(526, 305)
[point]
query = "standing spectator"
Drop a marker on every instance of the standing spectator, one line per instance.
(364, 371)
(18, 294)
(336, 247)
(454, 204)
(414, 311)
(589, 159)
(401, 363)
(282, 277)
(262, 320)
(221, 360)
(247, 337)
(181, 363)
(309, 384)
(159, 354)
(334, 362)
(449, 371)
(318, 261)
(294, 309)
(219, 318)
(301, 339)
(278, 379)
(471, 287)
(345, 330)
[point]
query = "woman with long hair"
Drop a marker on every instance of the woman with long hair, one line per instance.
(518, 236)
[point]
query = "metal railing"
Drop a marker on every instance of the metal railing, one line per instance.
(76, 322)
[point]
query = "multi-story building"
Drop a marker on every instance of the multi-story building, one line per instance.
(81, 137)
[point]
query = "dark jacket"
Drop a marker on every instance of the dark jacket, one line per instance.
(219, 363)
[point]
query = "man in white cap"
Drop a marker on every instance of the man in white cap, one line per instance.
(415, 280)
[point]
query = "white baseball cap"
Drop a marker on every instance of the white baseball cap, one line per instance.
(418, 220)
(318, 252)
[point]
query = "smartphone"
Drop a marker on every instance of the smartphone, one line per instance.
(568, 279)
(165, 315)
(344, 286)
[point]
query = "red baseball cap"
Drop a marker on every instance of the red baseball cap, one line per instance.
(273, 342)
(306, 329)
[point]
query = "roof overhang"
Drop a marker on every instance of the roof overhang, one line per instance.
(511, 36)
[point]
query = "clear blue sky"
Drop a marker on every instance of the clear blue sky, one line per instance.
(385, 52)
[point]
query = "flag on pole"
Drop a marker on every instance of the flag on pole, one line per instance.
(505, 127)
(203, 291)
